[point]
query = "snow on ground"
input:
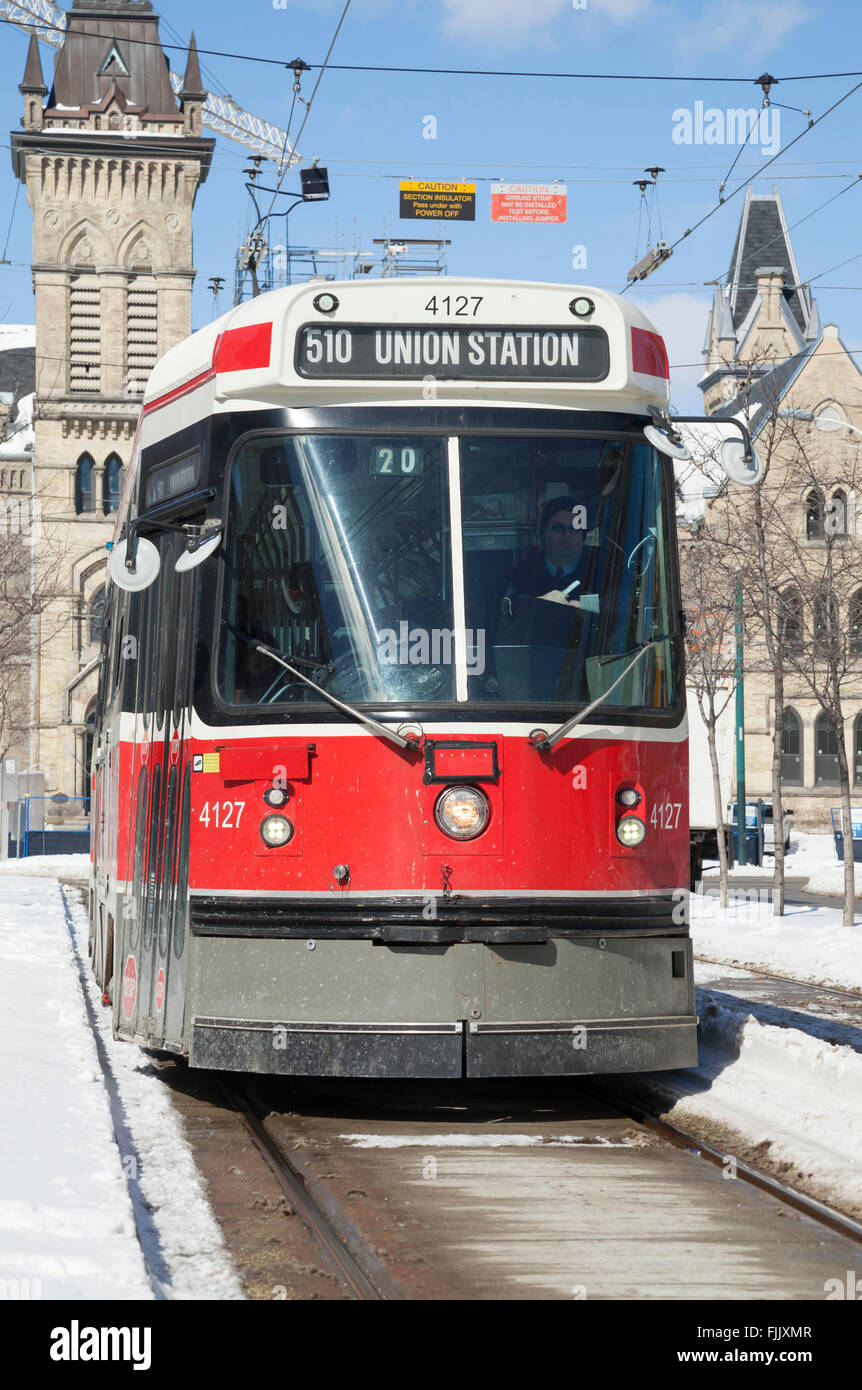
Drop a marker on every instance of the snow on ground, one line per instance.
(66, 1214)
(67, 1228)
(778, 1096)
(808, 943)
(811, 857)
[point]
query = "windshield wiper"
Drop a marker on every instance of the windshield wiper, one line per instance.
(543, 742)
(380, 729)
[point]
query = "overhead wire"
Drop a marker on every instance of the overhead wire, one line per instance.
(459, 72)
(801, 136)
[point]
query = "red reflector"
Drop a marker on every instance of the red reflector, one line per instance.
(649, 354)
(243, 349)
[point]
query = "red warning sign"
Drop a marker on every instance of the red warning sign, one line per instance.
(160, 989)
(528, 202)
(130, 987)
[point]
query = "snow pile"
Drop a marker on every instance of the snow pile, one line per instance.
(808, 943)
(69, 868)
(190, 1241)
(778, 1097)
(66, 1216)
(67, 1229)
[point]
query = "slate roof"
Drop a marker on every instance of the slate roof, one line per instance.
(18, 371)
(772, 386)
(139, 70)
(33, 79)
(762, 240)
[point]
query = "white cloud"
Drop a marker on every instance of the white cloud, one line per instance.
(681, 320)
(749, 24)
(500, 20)
(508, 21)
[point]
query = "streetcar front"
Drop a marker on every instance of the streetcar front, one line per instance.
(436, 822)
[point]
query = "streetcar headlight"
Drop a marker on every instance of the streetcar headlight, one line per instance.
(462, 812)
(628, 796)
(275, 831)
(631, 831)
(276, 796)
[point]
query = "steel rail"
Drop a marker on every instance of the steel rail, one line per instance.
(855, 997)
(357, 1264)
(809, 1206)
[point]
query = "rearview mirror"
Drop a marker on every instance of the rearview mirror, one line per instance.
(746, 471)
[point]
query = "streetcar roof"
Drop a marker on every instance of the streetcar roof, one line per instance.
(424, 338)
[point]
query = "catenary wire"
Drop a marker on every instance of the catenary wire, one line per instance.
(461, 72)
(801, 136)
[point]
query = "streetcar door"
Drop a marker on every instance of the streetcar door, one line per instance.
(170, 730)
(156, 655)
(173, 934)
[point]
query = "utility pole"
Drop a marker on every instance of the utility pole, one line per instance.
(741, 846)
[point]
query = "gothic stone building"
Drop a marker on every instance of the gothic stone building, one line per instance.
(112, 161)
(764, 313)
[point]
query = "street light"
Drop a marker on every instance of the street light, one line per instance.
(829, 420)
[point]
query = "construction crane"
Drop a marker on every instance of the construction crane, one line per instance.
(220, 113)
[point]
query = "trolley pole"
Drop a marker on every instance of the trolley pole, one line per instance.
(741, 847)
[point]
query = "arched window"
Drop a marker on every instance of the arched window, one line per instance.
(790, 618)
(112, 484)
(814, 508)
(825, 752)
(97, 615)
(855, 630)
(791, 749)
(836, 514)
(84, 500)
(857, 750)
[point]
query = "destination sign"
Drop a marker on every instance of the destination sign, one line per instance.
(453, 352)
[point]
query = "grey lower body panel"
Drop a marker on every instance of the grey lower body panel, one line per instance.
(655, 1044)
(440, 1051)
(366, 1050)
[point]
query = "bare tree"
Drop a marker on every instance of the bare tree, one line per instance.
(707, 592)
(821, 562)
(30, 566)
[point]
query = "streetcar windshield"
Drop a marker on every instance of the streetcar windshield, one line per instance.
(423, 570)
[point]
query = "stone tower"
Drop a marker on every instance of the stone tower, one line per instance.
(763, 311)
(112, 163)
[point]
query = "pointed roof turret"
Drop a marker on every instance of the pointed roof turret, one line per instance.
(192, 84)
(33, 79)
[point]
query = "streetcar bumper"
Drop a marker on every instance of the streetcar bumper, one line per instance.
(446, 1050)
(565, 1006)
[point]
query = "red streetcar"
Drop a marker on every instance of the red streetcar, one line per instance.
(390, 764)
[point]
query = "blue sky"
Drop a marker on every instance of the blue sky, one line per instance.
(596, 135)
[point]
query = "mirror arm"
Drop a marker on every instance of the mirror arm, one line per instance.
(669, 422)
(161, 518)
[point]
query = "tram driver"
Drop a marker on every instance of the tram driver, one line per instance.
(558, 571)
